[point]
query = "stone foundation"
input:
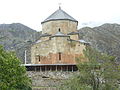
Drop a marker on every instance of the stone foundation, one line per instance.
(49, 79)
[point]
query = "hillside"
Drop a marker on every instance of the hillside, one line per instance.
(105, 38)
(17, 37)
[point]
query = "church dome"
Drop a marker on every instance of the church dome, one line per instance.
(59, 15)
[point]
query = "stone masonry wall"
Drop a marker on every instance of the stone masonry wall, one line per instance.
(52, 27)
(74, 37)
(48, 51)
(49, 78)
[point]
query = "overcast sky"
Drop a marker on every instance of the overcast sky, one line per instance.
(33, 12)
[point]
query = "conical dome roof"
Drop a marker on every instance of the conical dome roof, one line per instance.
(59, 15)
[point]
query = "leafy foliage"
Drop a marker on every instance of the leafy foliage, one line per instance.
(98, 72)
(12, 74)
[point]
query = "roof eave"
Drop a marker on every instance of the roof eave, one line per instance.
(59, 19)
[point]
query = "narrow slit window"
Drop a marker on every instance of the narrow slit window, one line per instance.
(39, 58)
(59, 30)
(59, 56)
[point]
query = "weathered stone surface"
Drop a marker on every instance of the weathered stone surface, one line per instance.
(49, 78)
(55, 46)
(49, 51)
(65, 26)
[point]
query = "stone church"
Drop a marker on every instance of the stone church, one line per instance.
(59, 44)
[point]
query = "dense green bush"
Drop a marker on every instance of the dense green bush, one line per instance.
(12, 74)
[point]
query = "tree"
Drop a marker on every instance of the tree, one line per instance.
(98, 72)
(12, 74)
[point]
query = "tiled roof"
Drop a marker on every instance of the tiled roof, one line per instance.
(59, 15)
(60, 34)
(45, 34)
(83, 41)
(73, 33)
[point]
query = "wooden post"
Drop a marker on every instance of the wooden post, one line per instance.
(67, 67)
(35, 68)
(61, 68)
(45, 68)
(56, 67)
(72, 68)
(50, 67)
(40, 68)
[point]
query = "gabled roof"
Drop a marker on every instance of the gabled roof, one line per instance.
(59, 15)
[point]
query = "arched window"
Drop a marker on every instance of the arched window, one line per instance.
(59, 55)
